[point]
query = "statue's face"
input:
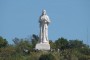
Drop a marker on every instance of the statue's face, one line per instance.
(44, 12)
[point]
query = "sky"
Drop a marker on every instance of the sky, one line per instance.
(69, 18)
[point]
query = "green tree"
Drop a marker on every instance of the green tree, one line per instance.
(7, 52)
(22, 45)
(47, 57)
(34, 40)
(76, 44)
(61, 43)
(85, 50)
(3, 42)
(52, 44)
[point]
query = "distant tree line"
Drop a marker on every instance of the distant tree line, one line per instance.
(61, 49)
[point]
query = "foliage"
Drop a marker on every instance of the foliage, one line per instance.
(3, 42)
(22, 46)
(85, 50)
(7, 52)
(61, 43)
(76, 44)
(47, 57)
(52, 44)
(22, 49)
(34, 40)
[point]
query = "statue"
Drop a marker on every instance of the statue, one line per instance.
(44, 22)
(43, 38)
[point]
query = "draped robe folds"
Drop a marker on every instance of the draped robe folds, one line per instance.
(44, 21)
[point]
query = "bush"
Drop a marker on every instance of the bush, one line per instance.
(47, 57)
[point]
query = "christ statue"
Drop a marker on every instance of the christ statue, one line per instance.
(43, 43)
(44, 22)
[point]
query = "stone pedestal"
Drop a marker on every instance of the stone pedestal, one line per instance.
(42, 46)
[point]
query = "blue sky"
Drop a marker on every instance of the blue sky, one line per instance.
(69, 18)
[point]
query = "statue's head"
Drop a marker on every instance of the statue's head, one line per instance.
(43, 12)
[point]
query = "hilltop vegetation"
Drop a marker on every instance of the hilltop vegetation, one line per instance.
(61, 49)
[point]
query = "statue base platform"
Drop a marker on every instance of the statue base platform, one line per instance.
(42, 46)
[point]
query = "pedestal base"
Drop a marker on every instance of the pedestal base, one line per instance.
(42, 46)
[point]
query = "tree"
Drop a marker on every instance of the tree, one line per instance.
(7, 52)
(76, 44)
(47, 57)
(22, 45)
(3, 42)
(34, 40)
(85, 51)
(16, 40)
(52, 44)
(61, 43)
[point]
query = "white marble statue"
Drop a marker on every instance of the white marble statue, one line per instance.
(44, 21)
(43, 38)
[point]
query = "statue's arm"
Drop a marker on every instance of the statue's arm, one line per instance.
(48, 19)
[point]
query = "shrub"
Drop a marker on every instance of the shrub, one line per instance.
(47, 57)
